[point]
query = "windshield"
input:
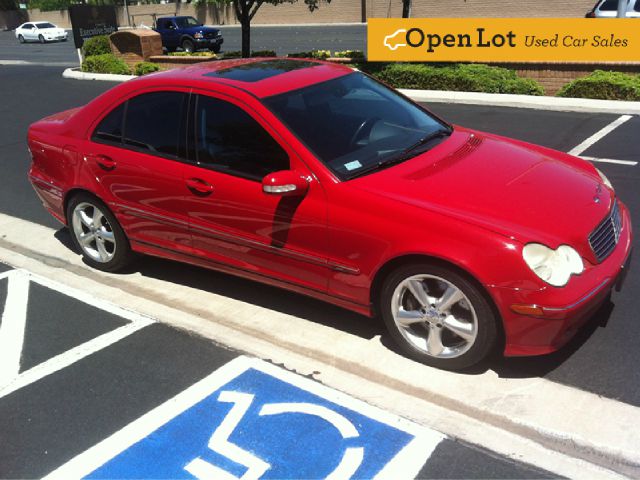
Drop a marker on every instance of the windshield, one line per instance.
(46, 25)
(355, 125)
(184, 22)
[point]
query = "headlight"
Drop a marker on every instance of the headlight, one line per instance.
(553, 266)
(198, 35)
(604, 179)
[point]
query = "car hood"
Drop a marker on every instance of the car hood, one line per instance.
(525, 192)
(202, 29)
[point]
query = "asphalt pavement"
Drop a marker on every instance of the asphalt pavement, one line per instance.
(82, 379)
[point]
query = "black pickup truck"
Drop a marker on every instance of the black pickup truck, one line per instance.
(188, 34)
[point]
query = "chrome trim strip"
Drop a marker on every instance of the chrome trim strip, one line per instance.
(592, 293)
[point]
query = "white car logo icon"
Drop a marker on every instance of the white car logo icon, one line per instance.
(393, 45)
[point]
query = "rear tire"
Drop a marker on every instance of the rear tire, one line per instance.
(96, 234)
(438, 316)
(20, 38)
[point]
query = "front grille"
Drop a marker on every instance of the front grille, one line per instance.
(606, 235)
(210, 35)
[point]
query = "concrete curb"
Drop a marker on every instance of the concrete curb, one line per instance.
(525, 101)
(76, 74)
(469, 98)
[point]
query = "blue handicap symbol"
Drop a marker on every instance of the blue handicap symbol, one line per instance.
(259, 426)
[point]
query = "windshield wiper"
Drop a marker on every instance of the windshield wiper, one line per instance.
(406, 154)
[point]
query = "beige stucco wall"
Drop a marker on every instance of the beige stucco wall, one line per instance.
(343, 11)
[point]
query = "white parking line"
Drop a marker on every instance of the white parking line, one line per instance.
(13, 326)
(599, 135)
(610, 160)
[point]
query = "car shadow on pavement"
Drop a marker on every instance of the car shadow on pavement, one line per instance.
(248, 291)
(323, 313)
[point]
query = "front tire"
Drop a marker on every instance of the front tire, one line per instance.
(216, 49)
(96, 234)
(188, 46)
(438, 316)
(40, 38)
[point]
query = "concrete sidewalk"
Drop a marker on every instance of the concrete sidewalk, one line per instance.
(558, 428)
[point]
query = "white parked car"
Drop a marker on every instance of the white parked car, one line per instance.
(609, 9)
(40, 32)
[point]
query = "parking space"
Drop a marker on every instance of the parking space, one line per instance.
(99, 391)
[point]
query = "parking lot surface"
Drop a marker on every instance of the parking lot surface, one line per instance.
(89, 371)
(76, 407)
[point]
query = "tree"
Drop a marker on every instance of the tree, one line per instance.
(245, 10)
(406, 8)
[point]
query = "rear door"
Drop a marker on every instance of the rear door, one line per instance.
(135, 156)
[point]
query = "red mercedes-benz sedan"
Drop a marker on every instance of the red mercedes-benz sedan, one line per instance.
(316, 178)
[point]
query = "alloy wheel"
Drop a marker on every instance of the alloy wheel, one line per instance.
(434, 316)
(94, 232)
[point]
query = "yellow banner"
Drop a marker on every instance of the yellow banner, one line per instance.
(504, 39)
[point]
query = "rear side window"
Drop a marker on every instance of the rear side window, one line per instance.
(27, 25)
(229, 140)
(609, 5)
(150, 122)
(110, 128)
(636, 7)
(153, 122)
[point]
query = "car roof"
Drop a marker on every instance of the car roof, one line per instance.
(41, 22)
(260, 77)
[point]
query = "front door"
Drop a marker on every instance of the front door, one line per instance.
(232, 220)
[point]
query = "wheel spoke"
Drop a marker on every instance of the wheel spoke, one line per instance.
(460, 328)
(434, 342)
(107, 235)
(102, 251)
(416, 288)
(408, 317)
(86, 220)
(97, 217)
(450, 297)
(86, 238)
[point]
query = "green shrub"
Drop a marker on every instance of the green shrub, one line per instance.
(605, 86)
(458, 77)
(193, 54)
(96, 46)
(106, 63)
(263, 53)
(317, 54)
(143, 68)
(355, 54)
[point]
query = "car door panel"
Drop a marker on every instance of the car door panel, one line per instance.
(237, 223)
(137, 172)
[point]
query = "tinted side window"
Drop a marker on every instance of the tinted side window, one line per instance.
(637, 6)
(609, 5)
(110, 128)
(230, 140)
(153, 122)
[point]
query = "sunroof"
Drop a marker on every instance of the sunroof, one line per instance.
(256, 71)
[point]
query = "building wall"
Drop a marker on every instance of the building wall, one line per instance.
(341, 11)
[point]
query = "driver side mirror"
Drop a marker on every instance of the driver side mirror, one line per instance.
(285, 183)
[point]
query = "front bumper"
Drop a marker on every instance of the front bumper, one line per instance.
(562, 311)
(209, 42)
